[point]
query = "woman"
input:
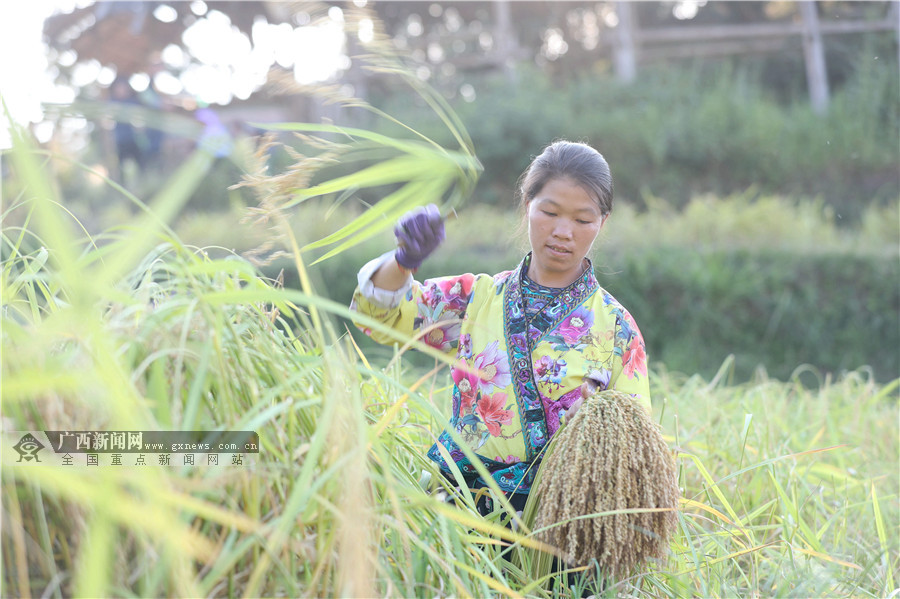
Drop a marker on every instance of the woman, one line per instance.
(530, 343)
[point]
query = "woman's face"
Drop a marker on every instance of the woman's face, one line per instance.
(563, 221)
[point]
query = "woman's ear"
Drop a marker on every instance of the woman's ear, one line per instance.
(603, 219)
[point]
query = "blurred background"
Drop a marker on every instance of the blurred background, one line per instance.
(754, 145)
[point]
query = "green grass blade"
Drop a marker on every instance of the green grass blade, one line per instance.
(882, 539)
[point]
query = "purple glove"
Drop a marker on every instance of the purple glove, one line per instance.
(419, 232)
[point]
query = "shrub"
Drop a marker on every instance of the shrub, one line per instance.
(772, 309)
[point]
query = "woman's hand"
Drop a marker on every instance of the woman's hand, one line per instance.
(419, 232)
(573, 409)
(588, 388)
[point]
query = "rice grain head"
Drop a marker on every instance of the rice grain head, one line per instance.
(611, 456)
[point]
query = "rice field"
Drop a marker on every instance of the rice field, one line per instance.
(786, 489)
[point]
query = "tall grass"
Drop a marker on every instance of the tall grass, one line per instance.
(787, 490)
(780, 486)
(135, 331)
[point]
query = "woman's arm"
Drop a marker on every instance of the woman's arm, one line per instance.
(390, 276)
(387, 291)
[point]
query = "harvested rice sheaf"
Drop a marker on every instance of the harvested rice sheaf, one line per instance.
(611, 456)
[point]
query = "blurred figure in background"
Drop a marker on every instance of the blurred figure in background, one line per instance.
(151, 99)
(215, 138)
(128, 147)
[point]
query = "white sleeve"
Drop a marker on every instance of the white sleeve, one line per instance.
(381, 297)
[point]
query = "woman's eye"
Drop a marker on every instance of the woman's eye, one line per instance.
(584, 222)
(548, 213)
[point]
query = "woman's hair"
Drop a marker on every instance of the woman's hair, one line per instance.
(578, 162)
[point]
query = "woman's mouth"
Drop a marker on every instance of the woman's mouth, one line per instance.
(558, 249)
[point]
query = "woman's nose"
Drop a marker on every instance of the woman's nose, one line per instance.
(563, 229)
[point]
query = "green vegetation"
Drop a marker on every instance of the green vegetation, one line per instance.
(776, 283)
(745, 224)
(684, 130)
(787, 488)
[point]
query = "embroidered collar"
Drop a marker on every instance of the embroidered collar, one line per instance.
(536, 296)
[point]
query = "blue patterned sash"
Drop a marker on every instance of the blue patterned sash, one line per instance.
(523, 333)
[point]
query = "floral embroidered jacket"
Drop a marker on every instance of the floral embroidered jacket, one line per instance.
(515, 373)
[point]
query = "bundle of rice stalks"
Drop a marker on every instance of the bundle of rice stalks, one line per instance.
(610, 457)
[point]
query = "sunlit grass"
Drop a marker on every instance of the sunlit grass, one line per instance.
(786, 489)
(794, 469)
